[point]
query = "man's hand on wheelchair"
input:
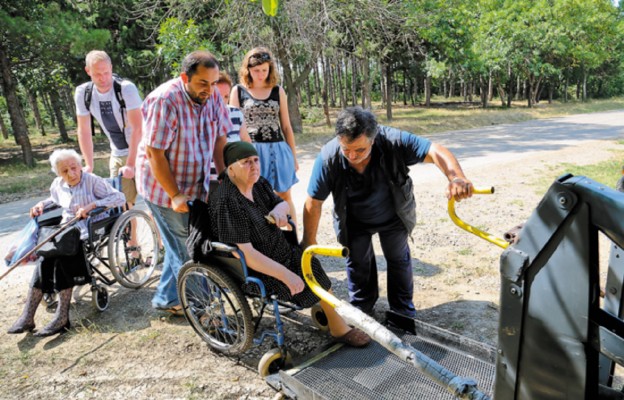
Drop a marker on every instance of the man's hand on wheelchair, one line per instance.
(179, 203)
(127, 172)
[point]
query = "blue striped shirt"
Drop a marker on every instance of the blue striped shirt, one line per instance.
(91, 189)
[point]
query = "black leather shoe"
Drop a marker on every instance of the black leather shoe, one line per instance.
(21, 328)
(49, 332)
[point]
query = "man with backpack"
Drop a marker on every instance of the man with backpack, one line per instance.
(116, 105)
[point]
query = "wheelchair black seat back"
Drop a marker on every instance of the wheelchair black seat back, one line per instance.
(218, 291)
(126, 243)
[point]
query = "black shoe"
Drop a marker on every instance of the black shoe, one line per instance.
(52, 331)
(15, 329)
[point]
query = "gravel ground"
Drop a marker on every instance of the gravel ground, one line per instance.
(132, 351)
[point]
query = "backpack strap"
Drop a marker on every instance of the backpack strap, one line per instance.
(87, 101)
(122, 103)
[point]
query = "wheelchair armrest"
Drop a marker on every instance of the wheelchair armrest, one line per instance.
(97, 211)
(223, 247)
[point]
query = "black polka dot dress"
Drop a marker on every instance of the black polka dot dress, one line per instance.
(236, 219)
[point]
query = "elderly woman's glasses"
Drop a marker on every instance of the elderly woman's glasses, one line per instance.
(248, 162)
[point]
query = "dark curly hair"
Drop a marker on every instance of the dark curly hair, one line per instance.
(353, 122)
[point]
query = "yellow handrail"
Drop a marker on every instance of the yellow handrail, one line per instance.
(308, 275)
(469, 228)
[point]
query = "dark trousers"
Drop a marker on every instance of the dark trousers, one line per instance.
(54, 274)
(362, 267)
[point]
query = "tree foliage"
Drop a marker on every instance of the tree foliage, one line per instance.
(334, 51)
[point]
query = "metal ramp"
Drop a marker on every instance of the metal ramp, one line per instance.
(345, 373)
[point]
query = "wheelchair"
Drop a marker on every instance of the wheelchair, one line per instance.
(217, 293)
(109, 246)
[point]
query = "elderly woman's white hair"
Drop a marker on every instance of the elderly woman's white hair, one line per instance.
(63, 154)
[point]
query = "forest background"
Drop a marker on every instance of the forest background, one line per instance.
(398, 57)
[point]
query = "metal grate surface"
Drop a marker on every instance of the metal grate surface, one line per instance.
(375, 373)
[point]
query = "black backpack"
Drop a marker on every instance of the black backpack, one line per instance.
(117, 88)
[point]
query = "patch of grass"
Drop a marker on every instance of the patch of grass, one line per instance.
(517, 203)
(465, 252)
(606, 172)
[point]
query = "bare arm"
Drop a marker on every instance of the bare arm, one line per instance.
(162, 172)
(234, 97)
(459, 186)
(311, 217)
(244, 133)
(217, 155)
(85, 140)
(261, 263)
(289, 136)
(135, 121)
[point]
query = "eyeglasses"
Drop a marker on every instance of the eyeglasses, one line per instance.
(259, 58)
(248, 162)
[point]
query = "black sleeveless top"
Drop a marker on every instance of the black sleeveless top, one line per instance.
(261, 116)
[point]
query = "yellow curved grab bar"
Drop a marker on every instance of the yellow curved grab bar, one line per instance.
(308, 275)
(469, 228)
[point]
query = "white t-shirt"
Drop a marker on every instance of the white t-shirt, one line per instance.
(106, 110)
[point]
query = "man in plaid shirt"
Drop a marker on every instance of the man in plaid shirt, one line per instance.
(185, 123)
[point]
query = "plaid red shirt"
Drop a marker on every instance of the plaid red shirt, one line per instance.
(187, 131)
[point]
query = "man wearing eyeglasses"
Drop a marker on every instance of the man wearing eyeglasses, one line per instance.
(365, 168)
(185, 125)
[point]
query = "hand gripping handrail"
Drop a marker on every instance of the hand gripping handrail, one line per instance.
(464, 388)
(469, 228)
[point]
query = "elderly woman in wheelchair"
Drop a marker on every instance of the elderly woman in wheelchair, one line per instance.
(78, 193)
(245, 212)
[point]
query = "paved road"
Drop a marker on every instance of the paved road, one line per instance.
(473, 147)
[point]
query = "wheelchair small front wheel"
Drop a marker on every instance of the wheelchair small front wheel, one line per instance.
(273, 361)
(100, 298)
(133, 248)
(319, 319)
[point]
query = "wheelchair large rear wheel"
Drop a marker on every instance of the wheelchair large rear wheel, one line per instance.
(133, 248)
(216, 308)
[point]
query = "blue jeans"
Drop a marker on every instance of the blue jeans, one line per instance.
(362, 268)
(173, 227)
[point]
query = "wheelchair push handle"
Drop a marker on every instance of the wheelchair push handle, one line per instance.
(474, 230)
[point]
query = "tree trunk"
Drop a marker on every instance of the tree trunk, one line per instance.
(58, 113)
(565, 89)
(510, 85)
(32, 100)
(428, 90)
(353, 81)
(46, 103)
(490, 93)
(530, 90)
(341, 88)
(584, 85)
(317, 86)
(332, 83)
(366, 84)
(325, 91)
(309, 92)
(518, 86)
(291, 85)
(18, 122)
(501, 94)
(405, 88)
(578, 89)
(3, 128)
(483, 89)
(388, 69)
(69, 103)
(551, 89)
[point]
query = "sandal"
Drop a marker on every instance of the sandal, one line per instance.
(354, 338)
(175, 310)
